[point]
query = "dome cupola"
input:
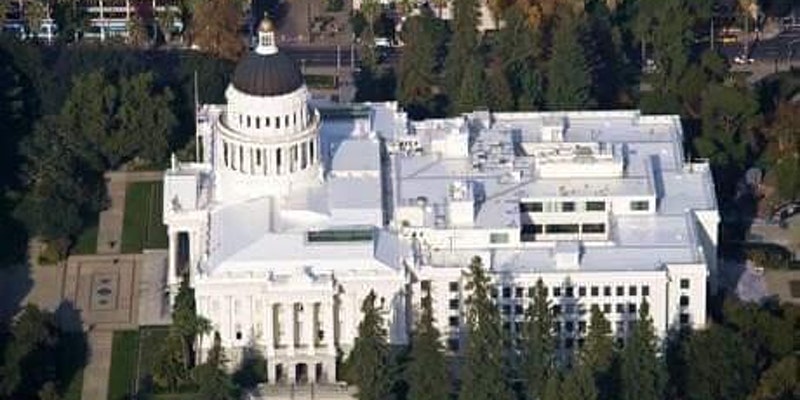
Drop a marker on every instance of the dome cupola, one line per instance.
(266, 71)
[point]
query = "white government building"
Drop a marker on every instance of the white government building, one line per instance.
(286, 222)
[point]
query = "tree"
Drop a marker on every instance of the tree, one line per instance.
(552, 388)
(426, 372)
(145, 119)
(462, 53)
(213, 382)
(569, 79)
(186, 323)
(719, 365)
(49, 392)
(471, 93)
(784, 149)
(170, 371)
(519, 63)
(138, 26)
(367, 367)
(417, 77)
(598, 350)
(642, 371)
(498, 90)
(482, 374)
(578, 384)
(215, 28)
(28, 359)
(538, 343)
(34, 13)
(370, 9)
(4, 9)
(779, 382)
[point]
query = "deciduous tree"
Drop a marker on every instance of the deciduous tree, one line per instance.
(215, 28)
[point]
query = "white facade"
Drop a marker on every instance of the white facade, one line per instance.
(599, 205)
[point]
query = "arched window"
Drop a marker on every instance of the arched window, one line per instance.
(278, 122)
(240, 120)
(248, 121)
(258, 122)
(266, 122)
(286, 121)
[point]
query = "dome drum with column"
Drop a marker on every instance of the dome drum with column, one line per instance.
(268, 139)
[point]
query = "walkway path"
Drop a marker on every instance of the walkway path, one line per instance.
(109, 232)
(96, 373)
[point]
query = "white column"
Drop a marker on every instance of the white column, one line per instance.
(326, 314)
(291, 323)
(308, 327)
(269, 324)
(173, 259)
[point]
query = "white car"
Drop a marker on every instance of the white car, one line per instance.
(382, 42)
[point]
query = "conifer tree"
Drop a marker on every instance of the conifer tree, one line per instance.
(214, 383)
(598, 351)
(569, 79)
(578, 385)
(538, 343)
(642, 373)
(367, 367)
(426, 372)
(471, 95)
(417, 71)
(462, 52)
(552, 388)
(482, 374)
(499, 90)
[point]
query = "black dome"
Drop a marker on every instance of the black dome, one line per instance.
(267, 75)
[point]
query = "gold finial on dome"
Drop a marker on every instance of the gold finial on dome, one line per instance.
(266, 25)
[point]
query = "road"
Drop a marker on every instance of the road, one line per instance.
(327, 56)
(783, 47)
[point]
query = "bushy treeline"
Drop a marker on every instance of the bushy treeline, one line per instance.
(747, 352)
(70, 113)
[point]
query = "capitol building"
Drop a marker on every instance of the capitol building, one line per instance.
(286, 221)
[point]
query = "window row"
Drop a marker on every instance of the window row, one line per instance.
(573, 206)
(261, 161)
(277, 122)
(535, 229)
(571, 291)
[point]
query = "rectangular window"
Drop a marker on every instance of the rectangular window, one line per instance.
(684, 318)
(532, 291)
(340, 235)
(454, 303)
(453, 322)
(632, 308)
(452, 345)
(641, 205)
(569, 291)
(258, 122)
(562, 228)
(519, 292)
(593, 228)
(568, 206)
(569, 309)
(582, 291)
(569, 326)
(496, 238)
(506, 292)
(620, 291)
(556, 291)
(595, 206)
(569, 343)
(530, 207)
(506, 309)
(518, 309)
(595, 291)
(606, 290)
(684, 283)
(557, 310)
(258, 156)
(684, 301)
(453, 286)
(425, 286)
(266, 122)
(645, 290)
(632, 291)
(606, 308)
(620, 308)
(494, 292)
(278, 122)
(582, 326)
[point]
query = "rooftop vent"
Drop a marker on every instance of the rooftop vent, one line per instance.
(567, 255)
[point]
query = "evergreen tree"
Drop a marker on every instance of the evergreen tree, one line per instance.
(213, 382)
(482, 374)
(462, 52)
(170, 371)
(642, 371)
(578, 384)
(538, 343)
(552, 388)
(186, 323)
(368, 364)
(719, 365)
(569, 81)
(598, 350)
(471, 95)
(499, 90)
(426, 372)
(145, 119)
(417, 77)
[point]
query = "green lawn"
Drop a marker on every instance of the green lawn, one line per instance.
(142, 227)
(86, 243)
(124, 354)
(320, 81)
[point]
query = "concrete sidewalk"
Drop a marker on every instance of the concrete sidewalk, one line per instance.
(109, 228)
(96, 373)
